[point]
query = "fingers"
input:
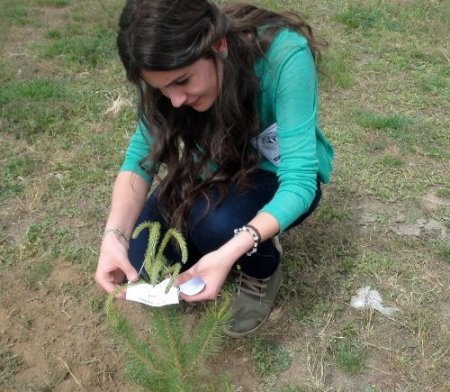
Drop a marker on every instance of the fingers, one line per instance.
(130, 272)
(193, 298)
(111, 273)
(183, 277)
(110, 286)
(122, 293)
(204, 295)
(198, 297)
(104, 284)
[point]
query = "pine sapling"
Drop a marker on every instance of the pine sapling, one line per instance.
(166, 357)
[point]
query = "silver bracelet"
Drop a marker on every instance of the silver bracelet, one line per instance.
(255, 235)
(119, 234)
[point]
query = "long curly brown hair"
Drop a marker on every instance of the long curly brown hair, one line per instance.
(160, 35)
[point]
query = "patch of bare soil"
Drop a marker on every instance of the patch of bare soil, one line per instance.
(61, 343)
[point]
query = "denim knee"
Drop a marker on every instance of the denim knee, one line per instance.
(211, 231)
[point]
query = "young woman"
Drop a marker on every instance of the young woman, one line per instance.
(228, 124)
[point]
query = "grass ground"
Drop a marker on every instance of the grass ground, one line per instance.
(66, 113)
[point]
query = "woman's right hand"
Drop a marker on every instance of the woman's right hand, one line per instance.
(113, 265)
(128, 198)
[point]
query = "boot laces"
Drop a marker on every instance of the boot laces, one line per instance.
(252, 286)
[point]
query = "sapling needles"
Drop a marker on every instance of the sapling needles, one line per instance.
(167, 356)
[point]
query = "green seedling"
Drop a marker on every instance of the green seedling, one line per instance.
(166, 356)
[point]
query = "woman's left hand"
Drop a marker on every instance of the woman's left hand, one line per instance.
(213, 268)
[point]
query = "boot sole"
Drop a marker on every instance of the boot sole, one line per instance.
(242, 334)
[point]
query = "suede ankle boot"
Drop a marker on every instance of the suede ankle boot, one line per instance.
(252, 303)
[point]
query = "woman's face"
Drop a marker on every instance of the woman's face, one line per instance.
(196, 85)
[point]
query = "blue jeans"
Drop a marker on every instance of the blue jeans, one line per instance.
(207, 232)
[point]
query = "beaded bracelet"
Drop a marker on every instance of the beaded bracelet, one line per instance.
(255, 235)
(119, 234)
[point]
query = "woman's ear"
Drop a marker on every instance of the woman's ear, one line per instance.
(221, 48)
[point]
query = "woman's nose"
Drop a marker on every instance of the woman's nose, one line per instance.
(178, 98)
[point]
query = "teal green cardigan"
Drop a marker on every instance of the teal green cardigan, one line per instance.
(287, 98)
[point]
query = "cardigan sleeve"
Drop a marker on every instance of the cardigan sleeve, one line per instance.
(295, 108)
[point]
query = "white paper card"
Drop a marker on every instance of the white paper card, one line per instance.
(147, 294)
(267, 144)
